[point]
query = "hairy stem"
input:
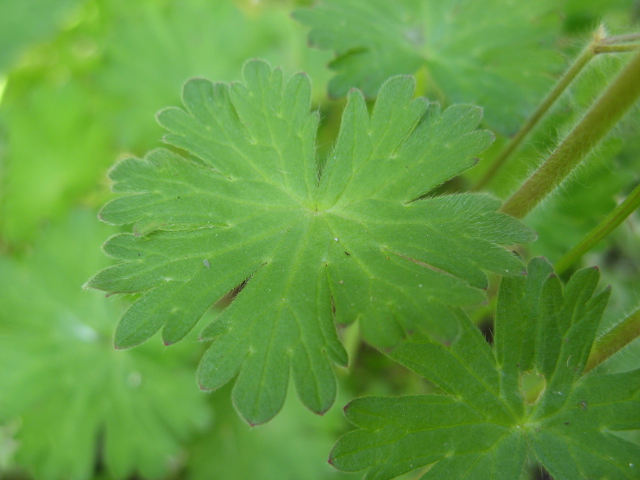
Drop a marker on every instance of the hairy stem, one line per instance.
(598, 45)
(614, 340)
(618, 39)
(352, 339)
(577, 66)
(603, 115)
(616, 48)
(611, 221)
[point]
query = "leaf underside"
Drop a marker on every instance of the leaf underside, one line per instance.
(483, 426)
(361, 240)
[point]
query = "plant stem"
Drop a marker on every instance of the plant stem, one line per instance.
(614, 340)
(611, 221)
(616, 48)
(603, 115)
(617, 39)
(598, 45)
(577, 66)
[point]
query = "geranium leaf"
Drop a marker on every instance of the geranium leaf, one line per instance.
(78, 402)
(527, 394)
(360, 240)
(482, 53)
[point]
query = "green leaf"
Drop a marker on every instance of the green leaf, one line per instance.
(292, 446)
(76, 400)
(582, 17)
(152, 47)
(490, 53)
(487, 420)
(364, 241)
(19, 26)
(42, 179)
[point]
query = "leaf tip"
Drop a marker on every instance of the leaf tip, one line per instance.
(302, 74)
(91, 285)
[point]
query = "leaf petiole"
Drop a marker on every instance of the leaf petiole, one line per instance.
(583, 59)
(619, 39)
(614, 340)
(603, 115)
(616, 48)
(611, 221)
(598, 45)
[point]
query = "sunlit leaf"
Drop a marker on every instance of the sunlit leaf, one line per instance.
(365, 241)
(76, 399)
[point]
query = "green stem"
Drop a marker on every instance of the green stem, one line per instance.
(603, 115)
(614, 340)
(577, 66)
(598, 45)
(616, 48)
(617, 39)
(611, 221)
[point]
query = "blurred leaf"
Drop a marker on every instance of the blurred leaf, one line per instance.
(293, 446)
(492, 53)
(89, 93)
(56, 150)
(152, 46)
(23, 22)
(78, 399)
(583, 16)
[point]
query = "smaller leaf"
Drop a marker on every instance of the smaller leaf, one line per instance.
(486, 424)
(74, 396)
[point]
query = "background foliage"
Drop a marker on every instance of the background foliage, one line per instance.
(80, 84)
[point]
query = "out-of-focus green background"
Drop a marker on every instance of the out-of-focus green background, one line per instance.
(80, 83)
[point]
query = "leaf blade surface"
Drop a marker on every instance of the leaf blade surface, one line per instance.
(244, 203)
(569, 426)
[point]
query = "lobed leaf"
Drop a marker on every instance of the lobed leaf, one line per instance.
(485, 423)
(245, 204)
(77, 402)
(481, 53)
